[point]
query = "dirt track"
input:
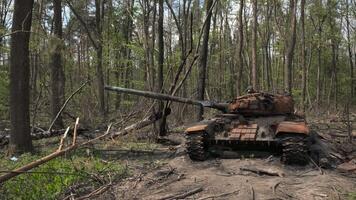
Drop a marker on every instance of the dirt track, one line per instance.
(223, 179)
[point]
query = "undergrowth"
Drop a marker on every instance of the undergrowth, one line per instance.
(53, 178)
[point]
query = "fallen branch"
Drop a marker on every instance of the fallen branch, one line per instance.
(4, 139)
(219, 195)
(62, 139)
(96, 192)
(49, 157)
(262, 171)
(182, 195)
(65, 104)
(143, 123)
(147, 121)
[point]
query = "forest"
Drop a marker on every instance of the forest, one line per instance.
(59, 59)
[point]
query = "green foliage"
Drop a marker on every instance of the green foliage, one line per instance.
(61, 173)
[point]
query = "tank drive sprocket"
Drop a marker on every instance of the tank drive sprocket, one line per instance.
(196, 146)
(294, 150)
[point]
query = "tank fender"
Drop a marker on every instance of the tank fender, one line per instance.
(292, 127)
(196, 128)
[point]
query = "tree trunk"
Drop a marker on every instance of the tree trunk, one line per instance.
(203, 60)
(290, 48)
(20, 139)
(352, 89)
(304, 73)
(254, 69)
(99, 13)
(240, 50)
(162, 122)
(57, 72)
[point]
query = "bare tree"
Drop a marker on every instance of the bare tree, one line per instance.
(203, 59)
(99, 16)
(290, 47)
(304, 67)
(254, 69)
(162, 122)
(20, 139)
(240, 48)
(57, 72)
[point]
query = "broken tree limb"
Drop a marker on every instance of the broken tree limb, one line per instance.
(65, 104)
(75, 132)
(4, 139)
(47, 158)
(143, 123)
(269, 172)
(63, 138)
(182, 195)
(147, 121)
(219, 195)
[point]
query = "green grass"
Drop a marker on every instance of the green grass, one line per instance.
(62, 173)
(351, 196)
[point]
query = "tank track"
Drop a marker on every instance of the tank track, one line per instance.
(196, 147)
(294, 150)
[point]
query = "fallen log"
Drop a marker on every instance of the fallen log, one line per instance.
(182, 195)
(61, 152)
(4, 139)
(143, 123)
(267, 171)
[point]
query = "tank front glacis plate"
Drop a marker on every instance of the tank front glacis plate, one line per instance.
(243, 132)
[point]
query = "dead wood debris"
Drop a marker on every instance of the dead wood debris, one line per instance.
(182, 195)
(147, 121)
(262, 171)
(49, 157)
(219, 195)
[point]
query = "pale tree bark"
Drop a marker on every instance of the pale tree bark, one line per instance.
(20, 139)
(254, 69)
(203, 59)
(290, 48)
(240, 44)
(57, 71)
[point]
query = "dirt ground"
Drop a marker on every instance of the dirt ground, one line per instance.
(219, 178)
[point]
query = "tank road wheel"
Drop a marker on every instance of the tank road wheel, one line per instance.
(294, 150)
(196, 146)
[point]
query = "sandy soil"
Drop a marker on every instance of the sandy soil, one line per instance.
(223, 179)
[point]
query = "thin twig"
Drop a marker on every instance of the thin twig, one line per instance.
(65, 104)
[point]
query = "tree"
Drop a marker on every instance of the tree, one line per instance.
(57, 72)
(352, 88)
(20, 140)
(254, 47)
(162, 122)
(240, 49)
(290, 47)
(99, 16)
(304, 67)
(203, 59)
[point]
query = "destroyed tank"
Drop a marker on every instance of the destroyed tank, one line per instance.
(253, 122)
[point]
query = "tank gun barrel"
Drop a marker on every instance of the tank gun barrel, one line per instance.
(220, 106)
